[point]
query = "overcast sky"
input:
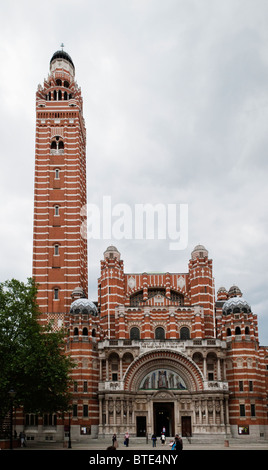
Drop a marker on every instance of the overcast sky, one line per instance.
(176, 109)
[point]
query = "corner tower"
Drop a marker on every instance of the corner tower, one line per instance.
(59, 237)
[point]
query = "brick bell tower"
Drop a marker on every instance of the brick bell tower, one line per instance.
(59, 244)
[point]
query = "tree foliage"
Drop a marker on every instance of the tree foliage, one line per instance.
(31, 356)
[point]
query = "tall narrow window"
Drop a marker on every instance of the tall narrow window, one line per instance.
(56, 293)
(56, 250)
(56, 210)
(75, 410)
(242, 410)
(57, 173)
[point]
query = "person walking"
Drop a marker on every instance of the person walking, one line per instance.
(154, 439)
(22, 439)
(178, 443)
(115, 442)
(126, 442)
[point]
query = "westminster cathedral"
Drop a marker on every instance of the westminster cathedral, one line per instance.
(154, 350)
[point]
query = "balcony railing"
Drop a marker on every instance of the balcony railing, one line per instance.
(162, 343)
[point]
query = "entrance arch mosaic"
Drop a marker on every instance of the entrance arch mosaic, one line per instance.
(158, 370)
(162, 379)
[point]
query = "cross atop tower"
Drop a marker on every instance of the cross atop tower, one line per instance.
(62, 46)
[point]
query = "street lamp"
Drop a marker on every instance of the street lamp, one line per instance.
(12, 395)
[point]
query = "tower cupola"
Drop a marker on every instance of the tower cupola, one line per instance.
(62, 60)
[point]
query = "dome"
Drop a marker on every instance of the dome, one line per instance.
(83, 306)
(222, 290)
(62, 55)
(234, 291)
(112, 248)
(222, 293)
(112, 253)
(78, 292)
(236, 305)
(199, 252)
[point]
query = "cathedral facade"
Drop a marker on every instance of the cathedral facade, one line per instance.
(155, 350)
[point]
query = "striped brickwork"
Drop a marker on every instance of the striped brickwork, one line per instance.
(59, 250)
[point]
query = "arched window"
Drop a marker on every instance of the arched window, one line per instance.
(228, 332)
(76, 331)
(247, 332)
(58, 82)
(238, 330)
(56, 250)
(159, 333)
(56, 293)
(65, 95)
(135, 333)
(85, 331)
(56, 144)
(184, 333)
(59, 95)
(93, 333)
(57, 210)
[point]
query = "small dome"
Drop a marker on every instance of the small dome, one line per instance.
(112, 248)
(222, 294)
(234, 291)
(236, 305)
(112, 252)
(199, 252)
(222, 290)
(83, 306)
(62, 55)
(78, 292)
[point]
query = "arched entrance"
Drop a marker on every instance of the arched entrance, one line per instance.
(164, 418)
(163, 383)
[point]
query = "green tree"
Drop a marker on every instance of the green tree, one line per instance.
(32, 359)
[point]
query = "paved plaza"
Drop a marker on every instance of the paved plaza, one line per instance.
(141, 445)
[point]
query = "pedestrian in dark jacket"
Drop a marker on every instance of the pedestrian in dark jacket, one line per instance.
(179, 444)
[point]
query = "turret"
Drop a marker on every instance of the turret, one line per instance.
(111, 289)
(202, 286)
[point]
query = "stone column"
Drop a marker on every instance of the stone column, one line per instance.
(218, 369)
(205, 368)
